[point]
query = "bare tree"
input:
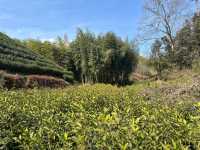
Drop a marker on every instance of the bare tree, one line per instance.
(197, 6)
(162, 19)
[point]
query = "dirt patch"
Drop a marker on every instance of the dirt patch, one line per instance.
(175, 92)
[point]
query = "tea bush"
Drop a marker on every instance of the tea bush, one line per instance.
(16, 58)
(2, 80)
(45, 81)
(95, 117)
(11, 81)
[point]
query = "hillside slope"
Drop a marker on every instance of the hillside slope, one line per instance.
(16, 58)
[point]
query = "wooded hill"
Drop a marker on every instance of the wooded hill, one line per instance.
(16, 58)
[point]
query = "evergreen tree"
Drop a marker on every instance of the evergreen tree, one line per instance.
(183, 56)
(196, 35)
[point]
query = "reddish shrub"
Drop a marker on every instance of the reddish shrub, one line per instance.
(45, 81)
(14, 81)
(10, 81)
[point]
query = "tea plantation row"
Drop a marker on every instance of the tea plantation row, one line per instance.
(95, 117)
(17, 59)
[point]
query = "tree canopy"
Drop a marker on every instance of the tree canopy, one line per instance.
(104, 58)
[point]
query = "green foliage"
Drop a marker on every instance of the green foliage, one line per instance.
(42, 48)
(88, 59)
(53, 51)
(195, 37)
(184, 54)
(2, 79)
(158, 58)
(6, 40)
(105, 59)
(186, 46)
(95, 117)
(16, 58)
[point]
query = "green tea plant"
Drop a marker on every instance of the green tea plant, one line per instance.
(16, 58)
(95, 117)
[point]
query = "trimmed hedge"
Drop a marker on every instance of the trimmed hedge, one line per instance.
(44, 81)
(14, 81)
(9, 81)
(15, 58)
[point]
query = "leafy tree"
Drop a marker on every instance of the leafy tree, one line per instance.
(158, 58)
(84, 40)
(183, 56)
(186, 47)
(195, 36)
(105, 58)
(43, 48)
(128, 61)
(95, 62)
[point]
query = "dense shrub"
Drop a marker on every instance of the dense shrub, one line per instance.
(10, 81)
(44, 81)
(68, 76)
(2, 80)
(95, 117)
(14, 81)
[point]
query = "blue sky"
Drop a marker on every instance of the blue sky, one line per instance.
(46, 19)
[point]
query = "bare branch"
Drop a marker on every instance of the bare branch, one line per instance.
(163, 18)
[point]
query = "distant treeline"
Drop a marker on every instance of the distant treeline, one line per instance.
(185, 53)
(89, 58)
(104, 58)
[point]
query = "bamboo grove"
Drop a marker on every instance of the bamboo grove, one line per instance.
(104, 58)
